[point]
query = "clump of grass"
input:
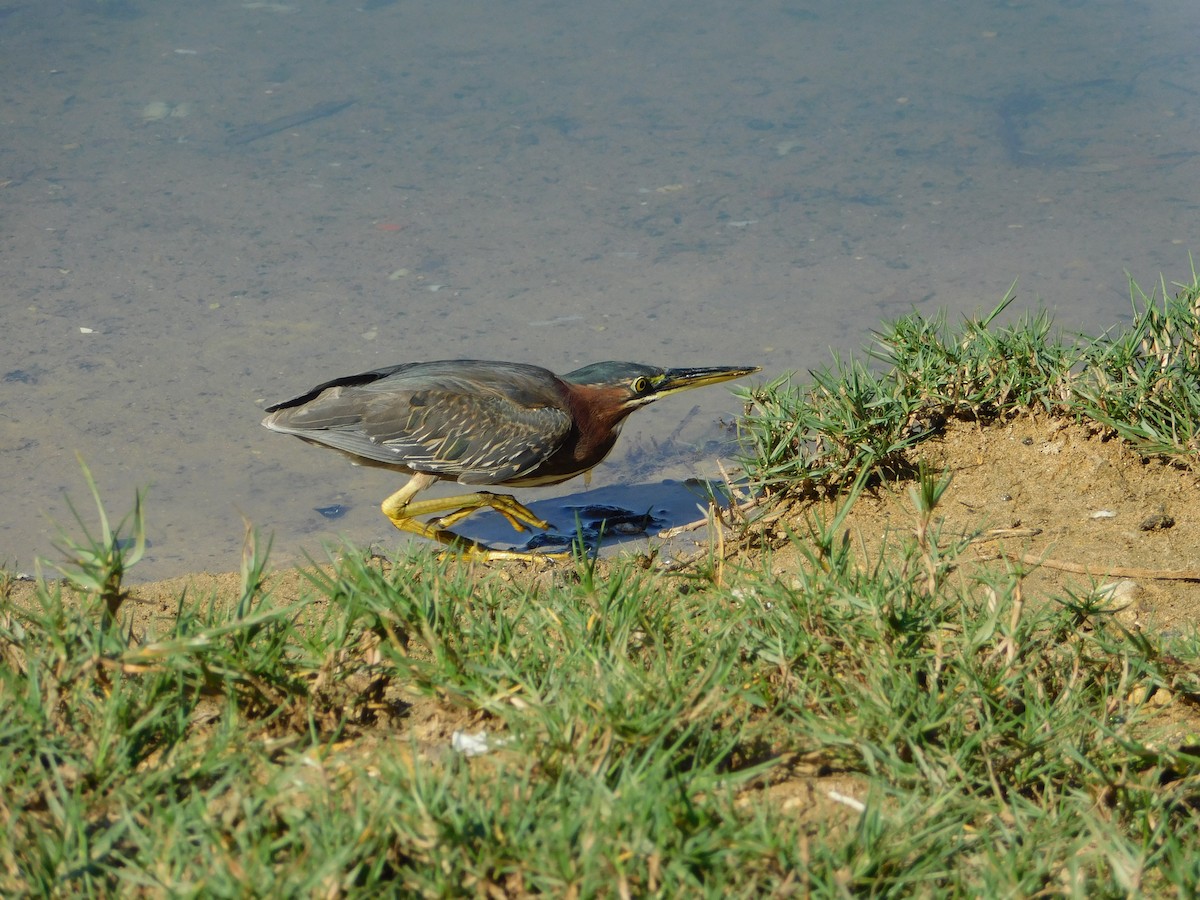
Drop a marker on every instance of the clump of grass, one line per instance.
(854, 419)
(982, 369)
(1144, 382)
(95, 727)
(849, 420)
(97, 564)
(1142, 385)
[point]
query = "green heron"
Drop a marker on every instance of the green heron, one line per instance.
(479, 423)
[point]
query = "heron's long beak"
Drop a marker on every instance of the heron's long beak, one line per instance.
(673, 381)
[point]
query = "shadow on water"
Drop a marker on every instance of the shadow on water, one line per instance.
(611, 517)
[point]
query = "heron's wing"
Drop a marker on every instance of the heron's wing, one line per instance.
(454, 428)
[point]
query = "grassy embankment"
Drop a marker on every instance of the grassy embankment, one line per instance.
(888, 725)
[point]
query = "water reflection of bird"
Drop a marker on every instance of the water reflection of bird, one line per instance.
(479, 423)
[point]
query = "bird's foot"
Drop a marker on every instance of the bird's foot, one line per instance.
(472, 551)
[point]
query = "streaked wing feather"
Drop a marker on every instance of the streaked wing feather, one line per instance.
(484, 439)
(450, 427)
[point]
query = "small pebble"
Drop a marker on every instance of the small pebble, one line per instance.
(1125, 590)
(153, 112)
(1159, 522)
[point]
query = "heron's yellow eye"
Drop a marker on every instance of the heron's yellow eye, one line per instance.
(640, 385)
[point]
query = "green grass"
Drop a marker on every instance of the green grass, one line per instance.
(1142, 384)
(644, 728)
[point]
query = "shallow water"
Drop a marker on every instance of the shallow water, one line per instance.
(692, 184)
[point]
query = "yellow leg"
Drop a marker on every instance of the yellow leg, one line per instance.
(403, 512)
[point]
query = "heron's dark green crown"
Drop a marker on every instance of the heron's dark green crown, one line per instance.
(611, 373)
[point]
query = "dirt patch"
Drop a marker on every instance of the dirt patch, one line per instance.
(1058, 501)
